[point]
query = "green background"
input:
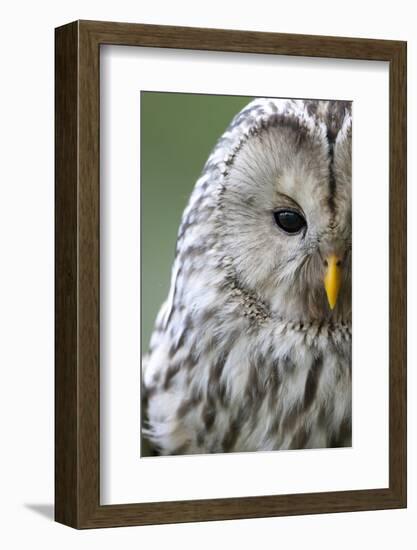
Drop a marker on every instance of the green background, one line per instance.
(178, 132)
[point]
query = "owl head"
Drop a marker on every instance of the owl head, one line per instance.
(284, 215)
(271, 215)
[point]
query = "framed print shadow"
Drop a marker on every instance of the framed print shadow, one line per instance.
(230, 274)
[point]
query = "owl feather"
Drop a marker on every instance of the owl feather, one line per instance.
(248, 353)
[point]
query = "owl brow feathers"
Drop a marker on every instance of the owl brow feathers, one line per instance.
(334, 119)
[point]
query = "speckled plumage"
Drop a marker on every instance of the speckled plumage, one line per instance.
(246, 354)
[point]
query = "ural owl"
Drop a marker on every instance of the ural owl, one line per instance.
(252, 349)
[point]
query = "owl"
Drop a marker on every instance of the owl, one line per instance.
(251, 351)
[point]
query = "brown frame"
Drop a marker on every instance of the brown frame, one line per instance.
(77, 373)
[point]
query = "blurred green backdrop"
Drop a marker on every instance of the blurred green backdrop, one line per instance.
(178, 132)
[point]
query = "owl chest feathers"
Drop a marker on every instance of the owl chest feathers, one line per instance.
(261, 385)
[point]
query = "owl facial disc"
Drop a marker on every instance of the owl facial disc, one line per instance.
(333, 278)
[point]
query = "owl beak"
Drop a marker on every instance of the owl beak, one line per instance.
(333, 278)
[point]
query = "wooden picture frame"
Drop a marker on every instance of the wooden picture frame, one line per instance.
(77, 373)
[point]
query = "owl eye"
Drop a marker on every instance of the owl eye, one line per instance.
(289, 221)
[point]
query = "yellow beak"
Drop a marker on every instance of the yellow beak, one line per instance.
(333, 279)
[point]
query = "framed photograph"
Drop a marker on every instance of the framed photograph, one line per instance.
(230, 274)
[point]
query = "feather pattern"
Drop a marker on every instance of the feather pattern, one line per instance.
(246, 354)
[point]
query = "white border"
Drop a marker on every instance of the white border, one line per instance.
(124, 476)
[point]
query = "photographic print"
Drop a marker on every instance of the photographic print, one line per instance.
(246, 248)
(204, 270)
